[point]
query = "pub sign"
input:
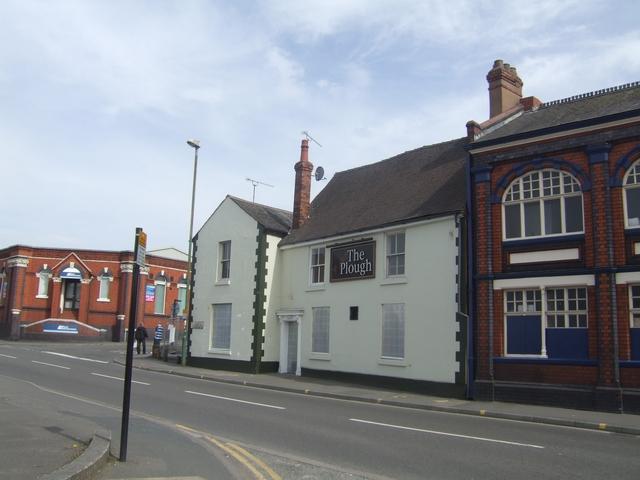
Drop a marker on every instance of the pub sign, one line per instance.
(354, 261)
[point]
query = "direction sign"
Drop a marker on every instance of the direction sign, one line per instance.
(141, 249)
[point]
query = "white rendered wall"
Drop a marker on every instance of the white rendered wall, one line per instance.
(428, 291)
(228, 222)
(271, 344)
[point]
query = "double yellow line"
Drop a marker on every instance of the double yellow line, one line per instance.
(256, 466)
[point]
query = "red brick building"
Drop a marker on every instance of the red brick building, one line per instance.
(554, 193)
(83, 294)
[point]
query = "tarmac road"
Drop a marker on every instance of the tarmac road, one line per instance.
(180, 426)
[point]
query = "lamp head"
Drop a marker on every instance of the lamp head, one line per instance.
(194, 143)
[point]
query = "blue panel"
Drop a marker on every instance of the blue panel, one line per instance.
(523, 335)
(635, 343)
(567, 343)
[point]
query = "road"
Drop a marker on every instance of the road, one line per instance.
(299, 435)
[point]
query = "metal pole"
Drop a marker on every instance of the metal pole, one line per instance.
(185, 335)
(126, 400)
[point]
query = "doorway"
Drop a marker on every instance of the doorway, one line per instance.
(290, 332)
(71, 295)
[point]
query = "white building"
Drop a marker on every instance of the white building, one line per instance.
(235, 257)
(365, 286)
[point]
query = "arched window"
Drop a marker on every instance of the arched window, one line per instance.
(632, 196)
(542, 203)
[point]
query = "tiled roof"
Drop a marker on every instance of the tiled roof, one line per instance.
(273, 219)
(563, 113)
(422, 183)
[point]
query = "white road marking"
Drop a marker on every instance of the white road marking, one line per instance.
(75, 358)
(400, 427)
(8, 356)
(51, 365)
(118, 378)
(235, 400)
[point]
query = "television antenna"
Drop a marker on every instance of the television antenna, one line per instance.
(309, 137)
(255, 183)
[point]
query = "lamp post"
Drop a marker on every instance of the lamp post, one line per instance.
(185, 336)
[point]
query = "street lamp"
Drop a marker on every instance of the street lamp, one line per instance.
(185, 335)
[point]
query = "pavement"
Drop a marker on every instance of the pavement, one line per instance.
(76, 451)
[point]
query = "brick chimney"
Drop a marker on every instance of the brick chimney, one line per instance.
(505, 88)
(302, 192)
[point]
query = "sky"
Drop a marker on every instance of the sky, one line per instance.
(98, 98)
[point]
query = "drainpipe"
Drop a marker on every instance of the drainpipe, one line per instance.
(470, 285)
(612, 275)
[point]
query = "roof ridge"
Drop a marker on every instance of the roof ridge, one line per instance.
(595, 93)
(400, 154)
(258, 204)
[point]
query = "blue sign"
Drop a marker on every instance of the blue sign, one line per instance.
(72, 273)
(150, 293)
(55, 327)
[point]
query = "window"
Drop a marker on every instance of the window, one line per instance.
(634, 294)
(158, 306)
(221, 328)
(320, 330)
(44, 275)
(317, 265)
(395, 254)
(225, 260)
(632, 196)
(523, 301)
(566, 307)
(182, 298)
(105, 278)
(72, 294)
(393, 330)
(104, 288)
(43, 285)
(3, 287)
(542, 203)
(353, 313)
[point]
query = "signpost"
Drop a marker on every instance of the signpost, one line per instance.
(139, 253)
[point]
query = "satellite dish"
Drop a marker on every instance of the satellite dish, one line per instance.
(319, 174)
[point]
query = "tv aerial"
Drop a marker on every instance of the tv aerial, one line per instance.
(255, 183)
(309, 137)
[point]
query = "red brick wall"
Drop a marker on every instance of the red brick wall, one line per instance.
(557, 374)
(96, 313)
(595, 254)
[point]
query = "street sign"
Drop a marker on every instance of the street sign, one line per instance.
(141, 250)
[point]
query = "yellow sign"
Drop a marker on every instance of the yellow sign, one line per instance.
(141, 248)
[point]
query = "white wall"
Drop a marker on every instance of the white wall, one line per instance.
(228, 222)
(428, 292)
(271, 344)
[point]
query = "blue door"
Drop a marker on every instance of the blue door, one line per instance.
(635, 343)
(524, 335)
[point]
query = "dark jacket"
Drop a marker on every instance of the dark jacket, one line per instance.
(141, 333)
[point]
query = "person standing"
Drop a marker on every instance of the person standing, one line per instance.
(141, 339)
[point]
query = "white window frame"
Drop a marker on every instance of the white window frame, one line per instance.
(634, 323)
(321, 268)
(225, 348)
(540, 199)
(182, 288)
(162, 284)
(224, 261)
(631, 181)
(566, 312)
(43, 284)
(393, 237)
(386, 355)
(105, 279)
(523, 309)
(321, 326)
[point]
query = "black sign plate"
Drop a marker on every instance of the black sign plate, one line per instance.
(355, 261)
